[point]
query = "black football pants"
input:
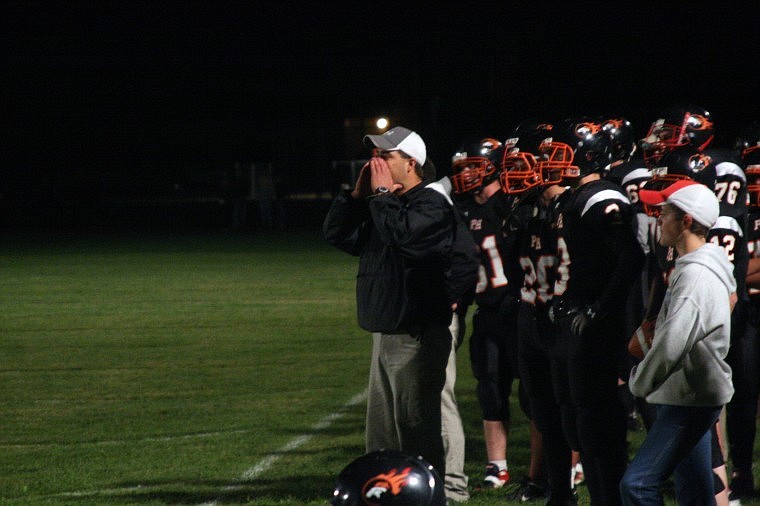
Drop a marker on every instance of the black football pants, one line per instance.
(542, 365)
(741, 412)
(593, 361)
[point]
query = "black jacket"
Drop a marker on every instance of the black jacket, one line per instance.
(411, 265)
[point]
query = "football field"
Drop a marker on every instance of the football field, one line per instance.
(190, 368)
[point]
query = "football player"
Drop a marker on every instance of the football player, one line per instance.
(541, 359)
(745, 346)
(629, 171)
(599, 260)
(475, 178)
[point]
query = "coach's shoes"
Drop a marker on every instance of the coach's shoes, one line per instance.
(495, 477)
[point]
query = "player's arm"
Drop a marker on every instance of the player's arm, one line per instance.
(622, 242)
(753, 273)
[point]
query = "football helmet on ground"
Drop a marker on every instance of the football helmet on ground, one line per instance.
(388, 477)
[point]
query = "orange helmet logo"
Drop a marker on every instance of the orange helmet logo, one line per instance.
(585, 129)
(612, 124)
(697, 122)
(391, 483)
(698, 161)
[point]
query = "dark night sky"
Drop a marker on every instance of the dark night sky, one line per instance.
(97, 88)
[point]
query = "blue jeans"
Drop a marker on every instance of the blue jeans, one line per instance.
(678, 444)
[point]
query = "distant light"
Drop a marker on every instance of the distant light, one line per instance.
(382, 123)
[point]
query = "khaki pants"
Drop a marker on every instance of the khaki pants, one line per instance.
(406, 378)
(451, 426)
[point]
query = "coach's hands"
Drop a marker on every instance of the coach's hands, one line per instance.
(363, 188)
(381, 175)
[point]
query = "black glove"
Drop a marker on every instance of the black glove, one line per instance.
(584, 318)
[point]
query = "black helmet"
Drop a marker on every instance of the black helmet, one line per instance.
(476, 165)
(518, 168)
(679, 164)
(678, 126)
(748, 141)
(622, 137)
(388, 477)
(578, 147)
(686, 163)
(748, 145)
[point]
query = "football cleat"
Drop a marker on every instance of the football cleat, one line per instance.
(495, 477)
(528, 491)
(742, 487)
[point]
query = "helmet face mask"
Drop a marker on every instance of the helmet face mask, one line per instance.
(518, 172)
(556, 163)
(579, 147)
(753, 185)
(679, 126)
(476, 166)
(470, 174)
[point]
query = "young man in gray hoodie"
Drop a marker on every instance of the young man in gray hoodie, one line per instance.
(684, 374)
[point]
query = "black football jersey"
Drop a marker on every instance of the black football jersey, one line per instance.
(595, 231)
(631, 176)
(730, 183)
(731, 236)
(488, 225)
(536, 251)
(753, 245)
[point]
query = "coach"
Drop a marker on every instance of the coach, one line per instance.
(403, 232)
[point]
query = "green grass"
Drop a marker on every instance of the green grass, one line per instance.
(163, 369)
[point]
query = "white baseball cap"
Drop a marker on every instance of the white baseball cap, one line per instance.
(689, 196)
(400, 139)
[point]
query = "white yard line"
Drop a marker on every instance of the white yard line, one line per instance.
(114, 442)
(249, 474)
(267, 462)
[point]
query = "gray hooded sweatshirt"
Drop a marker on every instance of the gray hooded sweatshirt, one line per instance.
(686, 366)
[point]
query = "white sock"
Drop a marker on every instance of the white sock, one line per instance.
(501, 464)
